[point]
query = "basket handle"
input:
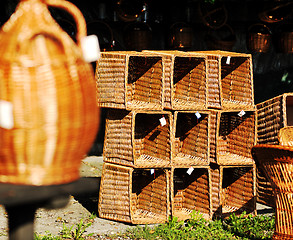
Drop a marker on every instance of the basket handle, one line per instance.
(76, 14)
(260, 24)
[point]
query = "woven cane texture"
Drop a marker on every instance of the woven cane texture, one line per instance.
(130, 80)
(190, 192)
(272, 115)
(230, 79)
(191, 143)
(285, 136)
(136, 196)
(52, 93)
(215, 189)
(185, 80)
(237, 189)
(137, 138)
(232, 137)
(277, 162)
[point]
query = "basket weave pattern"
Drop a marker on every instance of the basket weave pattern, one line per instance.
(272, 115)
(190, 192)
(138, 139)
(53, 96)
(277, 162)
(130, 80)
(191, 144)
(134, 195)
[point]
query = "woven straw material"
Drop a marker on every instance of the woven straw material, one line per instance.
(52, 93)
(232, 137)
(285, 136)
(277, 162)
(130, 80)
(137, 138)
(237, 190)
(272, 115)
(136, 196)
(229, 80)
(185, 80)
(191, 143)
(190, 192)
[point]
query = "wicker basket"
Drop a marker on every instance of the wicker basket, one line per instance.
(48, 91)
(185, 80)
(130, 80)
(236, 188)
(229, 80)
(232, 137)
(277, 162)
(191, 143)
(259, 38)
(138, 139)
(272, 115)
(190, 192)
(137, 196)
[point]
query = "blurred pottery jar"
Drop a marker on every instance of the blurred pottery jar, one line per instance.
(48, 111)
(181, 36)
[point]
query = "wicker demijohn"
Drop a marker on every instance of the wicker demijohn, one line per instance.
(48, 91)
(276, 161)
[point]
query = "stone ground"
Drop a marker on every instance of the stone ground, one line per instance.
(52, 221)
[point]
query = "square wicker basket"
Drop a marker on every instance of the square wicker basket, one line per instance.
(272, 115)
(130, 80)
(138, 138)
(232, 135)
(185, 80)
(229, 80)
(233, 189)
(191, 138)
(137, 196)
(190, 192)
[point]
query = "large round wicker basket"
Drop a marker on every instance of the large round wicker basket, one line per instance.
(48, 110)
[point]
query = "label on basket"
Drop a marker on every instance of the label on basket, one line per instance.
(228, 60)
(198, 115)
(6, 115)
(152, 171)
(241, 113)
(163, 121)
(90, 48)
(190, 170)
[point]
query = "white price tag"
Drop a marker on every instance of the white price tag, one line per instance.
(228, 60)
(6, 115)
(90, 48)
(198, 115)
(163, 121)
(152, 171)
(241, 113)
(190, 170)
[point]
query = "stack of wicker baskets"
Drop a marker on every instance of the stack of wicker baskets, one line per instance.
(179, 130)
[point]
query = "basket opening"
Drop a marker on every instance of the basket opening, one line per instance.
(236, 137)
(191, 192)
(144, 83)
(237, 190)
(151, 139)
(189, 80)
(191, 137)
(236, 80)
(150, 191)
(289, 110)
